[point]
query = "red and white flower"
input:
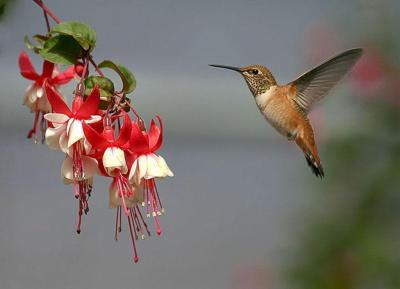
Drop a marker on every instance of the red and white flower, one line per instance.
(67, 124)
(67, 134)
(35, 96)
(147, 166)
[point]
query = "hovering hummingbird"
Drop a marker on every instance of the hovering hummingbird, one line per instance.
(286, 107)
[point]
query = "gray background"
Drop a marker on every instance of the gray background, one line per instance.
(238, 187)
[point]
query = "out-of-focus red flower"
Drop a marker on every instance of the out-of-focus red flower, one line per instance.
(35, 96)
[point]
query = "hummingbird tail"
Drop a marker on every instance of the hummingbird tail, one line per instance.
(316, 167)
(305, 140)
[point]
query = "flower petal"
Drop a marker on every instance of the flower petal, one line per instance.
(114, 158)
(90, 105)
(53, 136)
(66, 169)
(133, 172)
(155, 135)
(48, 68)
(56, 117)
(56, 101)
(93, 137)
(142, 160)
(90, 167)
(153, 169)
(115, 200)
(138, 142)
(39, 92)
(30, 97)
(26, 67)
(75, 132)
(64, 77)
(125, 132)
(164, 167)
(64, 143)
(93, 119)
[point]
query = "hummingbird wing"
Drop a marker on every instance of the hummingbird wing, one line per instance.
(316, 83)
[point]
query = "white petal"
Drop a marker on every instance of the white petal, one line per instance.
(114, 158)
(64, 144)
(138, 194)
(75, 132)
(43, 104)
(153, 170)
(30, 97)
(39, 92)
(133, 173)
(58, 118)
(53, 136)
(114, 199)
(71, 120)
(66, 169)
(142, 166)
(90, 167)
(93, 119)
(164, 167)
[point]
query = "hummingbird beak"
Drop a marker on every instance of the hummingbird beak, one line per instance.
(227, 67)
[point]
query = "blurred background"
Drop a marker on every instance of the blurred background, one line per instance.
(243, 210)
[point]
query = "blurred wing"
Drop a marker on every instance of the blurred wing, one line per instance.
(316, 83)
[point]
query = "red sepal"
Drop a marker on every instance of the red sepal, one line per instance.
(93, 137)
(90, 106)
(125, 131)
(64, 77)
(48, 68)
(138, 142)
(155, 135)
(56, 101)
(26, 67)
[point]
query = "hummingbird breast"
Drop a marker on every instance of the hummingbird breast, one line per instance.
(277, 109)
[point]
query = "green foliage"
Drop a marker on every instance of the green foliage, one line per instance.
(65, 43)
(40, 39)
(82, 33)
(128, 80)
(61, 49)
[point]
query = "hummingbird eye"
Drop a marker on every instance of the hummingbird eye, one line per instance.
(254, 71)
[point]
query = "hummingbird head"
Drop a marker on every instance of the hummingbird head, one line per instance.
(258, 78)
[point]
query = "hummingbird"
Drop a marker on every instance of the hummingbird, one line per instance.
(286, 107)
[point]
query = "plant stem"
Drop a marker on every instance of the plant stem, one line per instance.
(47, 11)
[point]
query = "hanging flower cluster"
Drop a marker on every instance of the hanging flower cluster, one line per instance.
(96, 132)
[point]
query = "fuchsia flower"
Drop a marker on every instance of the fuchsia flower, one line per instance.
(67, 135)
(110, 153)
(35, 97)
(147, 166)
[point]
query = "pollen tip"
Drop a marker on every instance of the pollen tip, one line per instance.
(158, 232)
(136, 259)
(78, 231)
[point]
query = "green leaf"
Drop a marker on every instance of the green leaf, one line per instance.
(30, 45)
(128, 80)
(40, 38)
(84, 34)
(61, 49)
(105, 85)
